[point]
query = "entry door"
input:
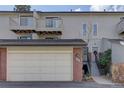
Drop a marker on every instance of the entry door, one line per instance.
(93, 56)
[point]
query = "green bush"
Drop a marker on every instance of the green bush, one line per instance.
(105, 62)
(105, 58)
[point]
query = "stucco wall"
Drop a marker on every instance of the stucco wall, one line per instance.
(105, 45)
(5, 32)
(117, 53)
(72, 26)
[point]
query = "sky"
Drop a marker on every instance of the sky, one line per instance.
(68, 7)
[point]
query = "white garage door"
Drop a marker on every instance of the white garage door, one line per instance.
(39, 65)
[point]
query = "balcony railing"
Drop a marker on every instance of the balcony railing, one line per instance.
(37, 25)
(120, 26)
(14, 24)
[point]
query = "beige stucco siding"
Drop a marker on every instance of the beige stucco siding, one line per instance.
(72, 26)
(5, 32)
(117, 53)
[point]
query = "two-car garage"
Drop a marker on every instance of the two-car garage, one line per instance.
(39, 64)
(41, 60)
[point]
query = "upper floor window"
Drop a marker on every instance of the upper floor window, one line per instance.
(53, 22)
(25, 37)
(26, 21)
(84, 29)
(95, 29)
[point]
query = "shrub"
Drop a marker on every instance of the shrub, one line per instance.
(105, 58)
(105, 61)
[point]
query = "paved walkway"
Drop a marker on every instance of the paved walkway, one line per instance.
(102, 80)
(94, 69)
(96, 75)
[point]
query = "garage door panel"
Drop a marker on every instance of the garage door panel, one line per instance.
(47, 63)
(16, 70)
(15, 64)
(63, 63)
(39, 66)
(47, 70)
(66, 70)
(63, 77)
(32, 70)
(48, 77)
(15, 77)
(66, 56)
(32, 75)
(24, 77)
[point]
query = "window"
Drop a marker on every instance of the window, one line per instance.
(84, 29)
(26, 21)
(85, 54)
(95, 29)
(25, 37)
(52, 22)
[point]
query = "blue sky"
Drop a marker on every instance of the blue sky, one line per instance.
(69, 7)
(50, 7)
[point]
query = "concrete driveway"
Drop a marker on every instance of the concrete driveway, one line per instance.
(84, 84)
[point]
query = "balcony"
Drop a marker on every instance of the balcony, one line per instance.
(120, 26)
(15, 24)
(41, 27)
(51, 26)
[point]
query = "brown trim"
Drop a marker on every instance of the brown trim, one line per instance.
(3, 63)
(42, 42)
(77, 64)
(49, 32)
(23, 31)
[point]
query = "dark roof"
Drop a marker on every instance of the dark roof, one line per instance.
(42, 42)
(117, 41)
(64, 12)
(112, 40)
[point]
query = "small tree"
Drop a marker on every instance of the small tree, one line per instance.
(22, 8)
(105, 61)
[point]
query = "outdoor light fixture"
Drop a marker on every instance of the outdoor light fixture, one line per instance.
(122, 43)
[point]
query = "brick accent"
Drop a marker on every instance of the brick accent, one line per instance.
(118, 72)
(3, 63)
(77, 64)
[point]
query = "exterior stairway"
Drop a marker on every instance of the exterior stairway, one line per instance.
(94, 69)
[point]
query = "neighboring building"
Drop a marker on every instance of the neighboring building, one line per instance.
(66, 34)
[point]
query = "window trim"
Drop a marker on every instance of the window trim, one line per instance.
(24, 36)
(52, 21)
(85, 29)
(95, 33)
(27, 21)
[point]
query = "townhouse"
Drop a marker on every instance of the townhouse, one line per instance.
(53, 46)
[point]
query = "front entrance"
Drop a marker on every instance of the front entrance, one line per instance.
(94, 67)
(86, 62)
